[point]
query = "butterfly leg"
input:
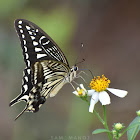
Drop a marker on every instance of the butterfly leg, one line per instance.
(76, 83)
(72, 85)
(86, 73)
(79, 76)
(83, 73)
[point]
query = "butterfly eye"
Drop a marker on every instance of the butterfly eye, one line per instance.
(75, 68)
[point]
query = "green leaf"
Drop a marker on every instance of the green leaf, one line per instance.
(132, 133)
(97, 131)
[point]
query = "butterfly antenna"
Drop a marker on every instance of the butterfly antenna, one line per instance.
(82, 45)
(21, 113)
(80, 62)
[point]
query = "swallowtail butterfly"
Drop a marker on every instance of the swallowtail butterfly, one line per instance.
(47, 68)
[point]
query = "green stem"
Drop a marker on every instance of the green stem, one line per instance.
(105, 123)
(98, 116)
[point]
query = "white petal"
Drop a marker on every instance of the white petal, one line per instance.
(75, 92)
(82, 87)
(104, 98)
(78, 88)
(95, 97)
(90, 92)
(93, 101)
(118, 92)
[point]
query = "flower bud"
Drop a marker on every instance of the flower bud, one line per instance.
(138, 113)
(118, 126)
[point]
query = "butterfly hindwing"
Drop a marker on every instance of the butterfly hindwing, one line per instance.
(49, 77)
(55, 76)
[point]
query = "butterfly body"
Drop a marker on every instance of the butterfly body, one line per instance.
(47, 69)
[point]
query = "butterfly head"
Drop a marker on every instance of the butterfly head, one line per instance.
(74, 70)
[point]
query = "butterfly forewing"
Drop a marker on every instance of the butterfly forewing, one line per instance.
(36, 44)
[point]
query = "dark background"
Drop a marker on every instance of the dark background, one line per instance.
(110, 31)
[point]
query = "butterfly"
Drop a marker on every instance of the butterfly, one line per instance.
(47, 69)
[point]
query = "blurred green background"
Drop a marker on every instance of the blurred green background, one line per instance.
(110, 31)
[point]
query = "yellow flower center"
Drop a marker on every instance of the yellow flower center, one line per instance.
(99, 83)
(81, 91)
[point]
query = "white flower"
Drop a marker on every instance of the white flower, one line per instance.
(103, 96)
(80, 92)
(99, 87)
